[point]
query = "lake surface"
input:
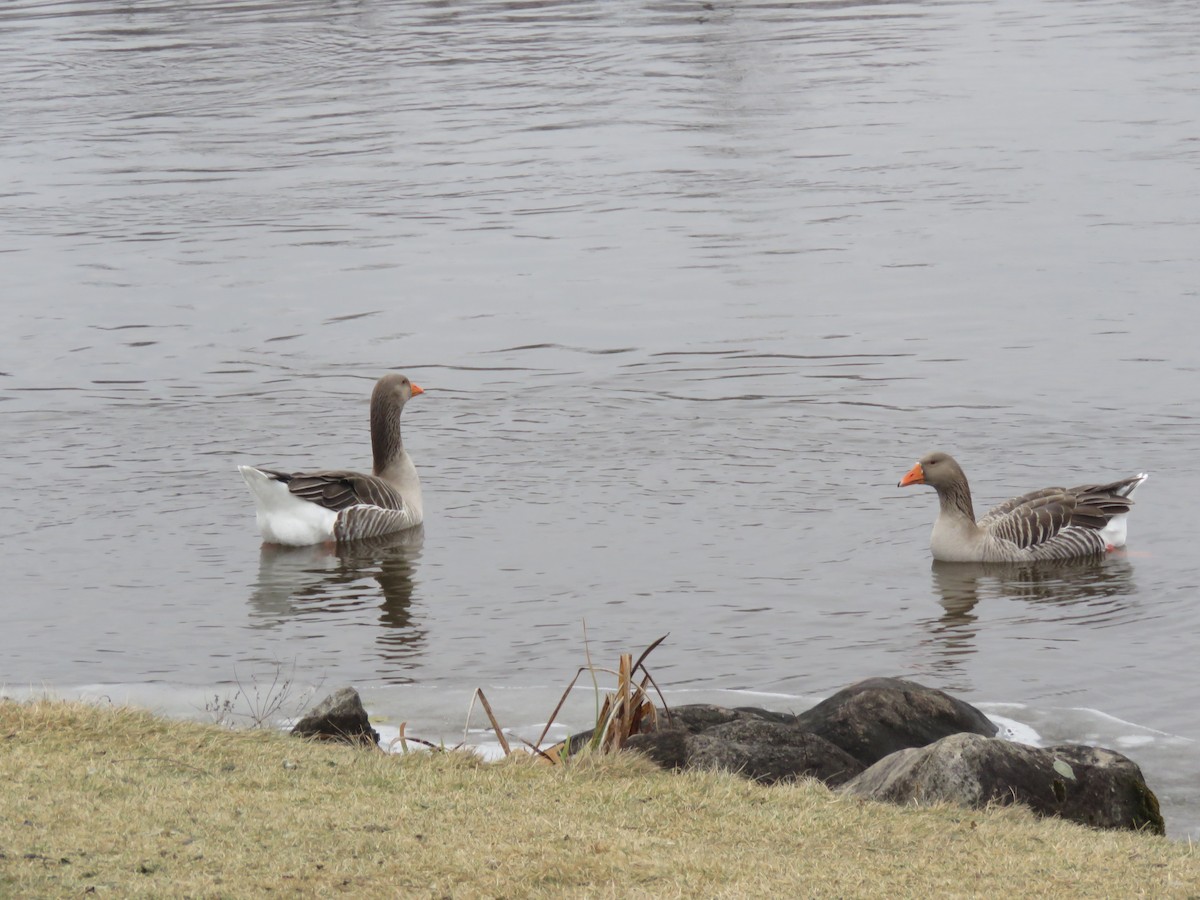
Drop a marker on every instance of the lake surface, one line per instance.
(689, 287)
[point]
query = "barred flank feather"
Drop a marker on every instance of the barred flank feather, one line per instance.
(361, 522)
(1070, 543)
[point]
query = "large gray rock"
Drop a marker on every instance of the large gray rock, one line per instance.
(873, 718)
(339, 717)
(769, 752)
(1088, 785)
(699, 717)
(694, 718)
(757, 748)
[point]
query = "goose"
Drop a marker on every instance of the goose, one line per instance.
(1053, 523)
(304, 508)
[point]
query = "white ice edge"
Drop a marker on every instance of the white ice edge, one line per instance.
(1111, 718)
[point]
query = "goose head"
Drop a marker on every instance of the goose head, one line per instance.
(938, 470)
(394, 391)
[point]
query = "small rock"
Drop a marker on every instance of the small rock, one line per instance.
(339, 717)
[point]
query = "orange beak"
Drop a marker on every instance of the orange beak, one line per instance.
(916, 475)
(416, 388)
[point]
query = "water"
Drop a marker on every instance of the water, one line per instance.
(689, 286)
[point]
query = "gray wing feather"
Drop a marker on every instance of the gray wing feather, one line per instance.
(1003, 509)
(1033, 519)
(340, 490)
(1100, 502)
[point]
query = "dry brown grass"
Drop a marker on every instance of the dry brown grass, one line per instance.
(122, 803)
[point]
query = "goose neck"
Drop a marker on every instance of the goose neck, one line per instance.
(955, 499)
(386, 444)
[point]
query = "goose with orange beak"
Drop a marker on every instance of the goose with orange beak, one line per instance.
(302, 508)
(1052, 523)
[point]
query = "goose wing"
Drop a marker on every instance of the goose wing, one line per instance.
(1100, 502)
(341, 490)
(1061, 522)
(1032, 519)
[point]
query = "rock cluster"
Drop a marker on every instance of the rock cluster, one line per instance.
(883, 738)
(896, 740)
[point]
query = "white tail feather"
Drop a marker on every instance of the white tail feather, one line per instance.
(284, 518)
(1117, 529)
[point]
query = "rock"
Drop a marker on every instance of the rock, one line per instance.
(699, 717)
(758, 748)
(769, 752)
(667, 747)
(1089, 785)
(873, 718)
(339, 717)
(921, 744)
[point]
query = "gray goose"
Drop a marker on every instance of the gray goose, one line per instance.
(1053, 523)
(304, 508)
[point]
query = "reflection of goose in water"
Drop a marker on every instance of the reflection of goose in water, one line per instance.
(1061, 582)
(327, 585)
(1078, 591)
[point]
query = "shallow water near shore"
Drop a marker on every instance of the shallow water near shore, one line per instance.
(689, 288)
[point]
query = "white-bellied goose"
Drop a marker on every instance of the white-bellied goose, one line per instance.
(1053, 523)
(315, 507)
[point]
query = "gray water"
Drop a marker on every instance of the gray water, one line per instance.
(689, 287)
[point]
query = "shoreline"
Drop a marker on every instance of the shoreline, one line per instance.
(121, 800)
(1171, 763)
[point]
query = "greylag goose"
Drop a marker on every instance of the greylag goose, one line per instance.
(1053, 523)
(315, 507)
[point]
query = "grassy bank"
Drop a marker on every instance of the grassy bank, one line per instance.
(125, 804)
